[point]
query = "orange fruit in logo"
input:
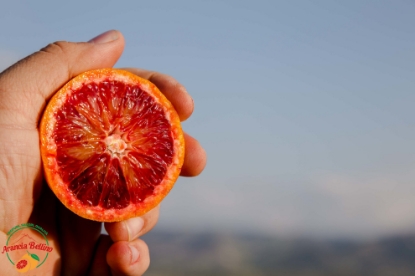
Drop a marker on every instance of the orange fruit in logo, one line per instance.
(27, 262)
(111, 144)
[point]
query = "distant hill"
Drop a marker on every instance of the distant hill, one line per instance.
(201, 254)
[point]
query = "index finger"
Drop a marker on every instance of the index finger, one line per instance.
(174, 91)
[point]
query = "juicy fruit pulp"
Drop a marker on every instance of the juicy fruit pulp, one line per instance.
(100, 155)
(111, 144)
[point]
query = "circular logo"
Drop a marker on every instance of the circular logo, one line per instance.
(27, 247)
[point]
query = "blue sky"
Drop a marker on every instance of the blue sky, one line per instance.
(305, 108)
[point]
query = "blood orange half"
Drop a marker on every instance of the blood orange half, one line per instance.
(111, 145)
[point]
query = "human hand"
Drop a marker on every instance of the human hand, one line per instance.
(79, 246)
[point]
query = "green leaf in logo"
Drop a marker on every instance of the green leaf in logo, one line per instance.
(34, 256)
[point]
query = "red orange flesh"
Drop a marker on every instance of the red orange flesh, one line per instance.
(111, 145)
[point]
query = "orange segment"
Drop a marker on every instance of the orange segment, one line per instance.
(111, 144)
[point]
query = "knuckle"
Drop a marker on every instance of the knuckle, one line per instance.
(174, 84)
(57, 47)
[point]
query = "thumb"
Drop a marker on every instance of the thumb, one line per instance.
(26, 86)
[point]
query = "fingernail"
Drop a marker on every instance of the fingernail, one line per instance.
(134, 226)
(134, 254)
(108, 36)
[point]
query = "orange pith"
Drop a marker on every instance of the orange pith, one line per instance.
(111, 145)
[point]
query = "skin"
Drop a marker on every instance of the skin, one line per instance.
(79, 246)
